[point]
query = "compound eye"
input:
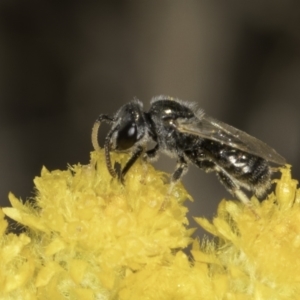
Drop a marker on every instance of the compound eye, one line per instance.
(127, 136)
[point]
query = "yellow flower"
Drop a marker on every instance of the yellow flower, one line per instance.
(258, 253)
(86, 232)
(90, 237)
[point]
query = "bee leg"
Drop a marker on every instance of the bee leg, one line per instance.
(181, 169)
(152, 154)
(233, 186)
(136, 154)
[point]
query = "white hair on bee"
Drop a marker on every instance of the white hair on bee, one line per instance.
(161, 97)
(137, 101)
(200, 113)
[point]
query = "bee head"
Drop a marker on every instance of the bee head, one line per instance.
(129, 126)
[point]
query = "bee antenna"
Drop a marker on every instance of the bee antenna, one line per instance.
(107, 154)
(95, 135)
(96, 127)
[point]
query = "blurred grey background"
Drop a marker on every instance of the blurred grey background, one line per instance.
(64, 62)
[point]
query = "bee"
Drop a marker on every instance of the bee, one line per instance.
(182, 131)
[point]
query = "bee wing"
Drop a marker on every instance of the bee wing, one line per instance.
(215, 130)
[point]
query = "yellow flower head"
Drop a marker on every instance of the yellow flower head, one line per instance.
(87, 236)
(258, 253)
(86, 231)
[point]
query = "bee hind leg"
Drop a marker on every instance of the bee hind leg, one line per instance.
(233, 186)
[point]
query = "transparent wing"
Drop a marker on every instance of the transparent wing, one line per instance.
(215, 130)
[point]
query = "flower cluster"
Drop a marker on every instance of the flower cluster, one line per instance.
(86, 236)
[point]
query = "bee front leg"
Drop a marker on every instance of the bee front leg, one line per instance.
(136, 154)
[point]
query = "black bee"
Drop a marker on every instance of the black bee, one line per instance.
(186, 133)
